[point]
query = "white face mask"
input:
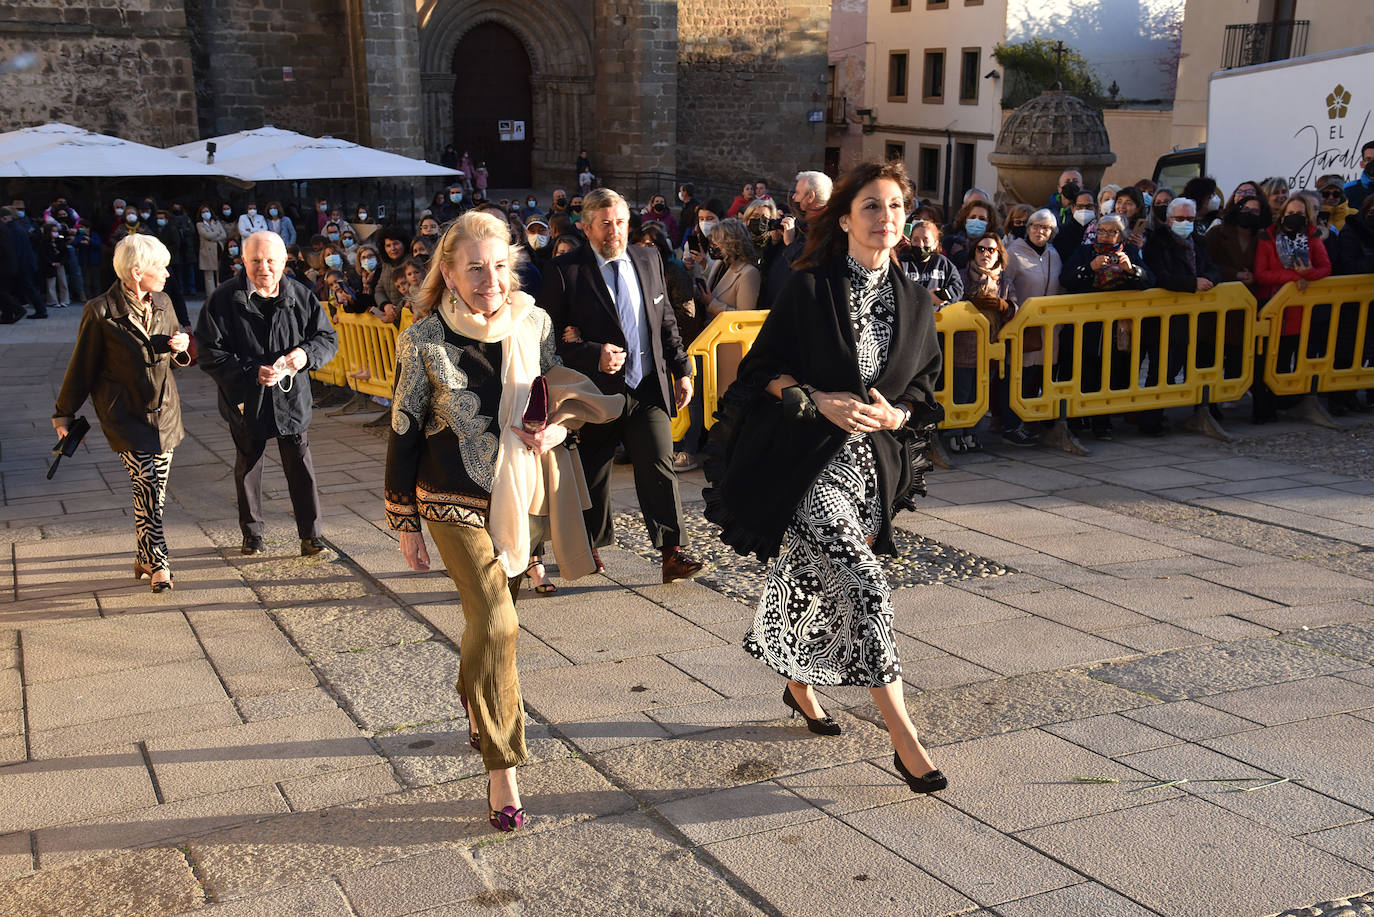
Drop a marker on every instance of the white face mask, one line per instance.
(362, 216)
(707, 227)
(1108, 206)
(1084, 217)
(538, 241)
(1214, 203)
(252, 211)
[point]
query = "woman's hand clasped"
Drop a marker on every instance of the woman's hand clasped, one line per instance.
(179, 342)
(544, 440)
(852, 415)
(413, 547)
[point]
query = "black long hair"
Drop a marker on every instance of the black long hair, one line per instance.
(825, 239)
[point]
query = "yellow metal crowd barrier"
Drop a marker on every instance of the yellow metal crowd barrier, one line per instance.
(726, 328)
(1335, 339)
(367, 348)
(962, 318)
(333, 372)
(1118, 320)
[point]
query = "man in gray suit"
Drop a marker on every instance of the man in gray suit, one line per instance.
(616, 297)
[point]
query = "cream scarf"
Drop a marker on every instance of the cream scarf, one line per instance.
(517, 488)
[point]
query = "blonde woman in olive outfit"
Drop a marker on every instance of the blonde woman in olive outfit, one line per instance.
(126, 345)
(460, 459)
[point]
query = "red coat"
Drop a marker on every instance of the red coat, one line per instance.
(1270, 274)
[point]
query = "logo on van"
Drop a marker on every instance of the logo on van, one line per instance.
(1338, 102)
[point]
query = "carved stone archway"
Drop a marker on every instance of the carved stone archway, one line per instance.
(561, 75)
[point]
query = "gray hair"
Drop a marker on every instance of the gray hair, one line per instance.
(818, 183)
(602, 199)
(1113, 219)
(266, 237)
(971, 192)
(139, 252)
(1044, 215)
(1179, 203)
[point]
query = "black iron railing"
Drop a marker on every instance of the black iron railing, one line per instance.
(1262, 42)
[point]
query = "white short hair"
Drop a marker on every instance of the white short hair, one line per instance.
(1044, 215)
(139, 252)
(818, 183)
(1179, 203)
(968, 195)
(1113, 219)
(266, 237)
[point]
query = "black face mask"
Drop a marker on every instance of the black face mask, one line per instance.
(1295, 222)
(1069, 191)
(922, 253)
(715, 252)
(1369, 168)
(1247, 220)
(1161, 212)
(660, 207)
(1018, 230)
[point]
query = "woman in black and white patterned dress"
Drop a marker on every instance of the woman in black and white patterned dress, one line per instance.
(823, 438)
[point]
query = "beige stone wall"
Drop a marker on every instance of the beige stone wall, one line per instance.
(636, 87)
(1335, 24)
(1138, 138)
(120, 69)
(748, 73)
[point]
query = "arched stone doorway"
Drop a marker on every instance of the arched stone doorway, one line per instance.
(560, 60)
(494, 124)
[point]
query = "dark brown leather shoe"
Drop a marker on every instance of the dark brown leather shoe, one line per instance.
(678, 566)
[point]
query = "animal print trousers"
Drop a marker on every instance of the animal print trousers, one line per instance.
(148, 473)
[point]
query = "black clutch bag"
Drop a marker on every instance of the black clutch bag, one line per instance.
(67, 444)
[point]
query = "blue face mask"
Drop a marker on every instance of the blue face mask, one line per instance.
(1148, 197)
(1182, 229)
(333, 237)
(975, 227)
(369, 264)
(161, 221)
(333, 261)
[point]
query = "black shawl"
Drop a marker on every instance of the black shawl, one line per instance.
(761, 462)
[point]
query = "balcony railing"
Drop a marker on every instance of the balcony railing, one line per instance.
(1262, 42)
(834, 113)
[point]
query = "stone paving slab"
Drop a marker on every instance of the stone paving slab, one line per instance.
(1330, 755)
(396, 686)
(318, 631)
(847, 788)
(1111, 734)
(1157, 638)
(1086, 898)
(120, 731)
(653, 874)
(110, 645)
(160, 824)
(16, 854)
(1201, 878)
(1023, 645)
(258, 753)
(319, 791)
(143, 883)
(1293, 583)
(1354, 842)
(298, 848)
(1074, 608)
(1176, 598)
(414, 884)
(827, 867)
(76, 701)
(1353, 641)
(604, 688)
(314, 899)
(738, 811)
(1199, 671)
(1294, 701)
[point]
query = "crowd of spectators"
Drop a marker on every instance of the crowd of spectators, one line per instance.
(720, 256)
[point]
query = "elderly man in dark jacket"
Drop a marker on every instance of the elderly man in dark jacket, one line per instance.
(255, 334)
(1179, 261)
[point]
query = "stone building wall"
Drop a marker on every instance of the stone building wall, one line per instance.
(240, 48)
(636, 52)
(749, 72)
(122, 69)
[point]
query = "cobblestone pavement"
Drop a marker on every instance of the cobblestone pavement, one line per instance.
(1149, 673)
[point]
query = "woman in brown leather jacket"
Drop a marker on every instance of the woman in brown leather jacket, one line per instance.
(128, 340)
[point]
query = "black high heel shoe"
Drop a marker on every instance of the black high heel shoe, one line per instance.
(824, 726)
(931, 783)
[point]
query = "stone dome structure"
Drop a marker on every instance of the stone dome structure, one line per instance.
(1052, 132)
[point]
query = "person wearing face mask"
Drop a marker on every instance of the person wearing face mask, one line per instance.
(973, 221)
(107, 221)
(51, 248)
(1334, 209)
(1017, 216)
(687, 216)
(696, 245)
(212, 237)
(168, 234)
(349, 243)
(1232, 245)
(810, 195)
(575, 210)
(1073, 232)
(428, 230)
(559, 205)
(369, 273)
(231, 264)
(333, 232)
(363, 226)
(537, 240)
(1178, 259)
(280, 223)
(1202, 191)
(924, 263)
(1363, 186)
(453, 205)
(1291, 251)
(765, 230)
(1062, 200)
(229, 221)
(1033, 269)
(658, 212)
(1106, 198)
(531, 208)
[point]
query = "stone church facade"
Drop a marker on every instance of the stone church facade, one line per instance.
(694, 88)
